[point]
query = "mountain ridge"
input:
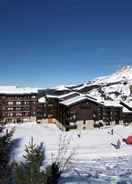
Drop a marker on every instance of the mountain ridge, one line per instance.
(114, 87)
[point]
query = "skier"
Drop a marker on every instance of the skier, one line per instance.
(118, 144)
(112, 131)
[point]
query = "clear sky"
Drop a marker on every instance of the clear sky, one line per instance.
(50, 42)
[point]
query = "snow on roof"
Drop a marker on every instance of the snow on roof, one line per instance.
(81, 87)
(61, 96)
(73, 100)
(17, 90)
(51, 96)
(128, 103)
(112, 104)
(125, 110)
(66, 95)
(42, 100)
(60, 88)
(76, 99)
(87, 97)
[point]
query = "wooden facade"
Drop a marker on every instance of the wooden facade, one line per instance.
(88, 114)
(85, 113)
(18, 107)
(112, 114)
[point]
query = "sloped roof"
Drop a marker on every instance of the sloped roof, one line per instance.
(61, 96)
(125, 110)
(77, 99)
(126, 107)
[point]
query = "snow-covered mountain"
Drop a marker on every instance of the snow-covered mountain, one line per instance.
(122, 75)
(117, 86)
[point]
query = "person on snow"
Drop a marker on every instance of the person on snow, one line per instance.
(112, 131)
(117, 145)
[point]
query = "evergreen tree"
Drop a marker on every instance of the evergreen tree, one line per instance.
(5, 152)
(30, 171)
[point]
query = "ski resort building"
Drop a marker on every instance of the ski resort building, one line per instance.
(68, 109)
(74, 110)
(17, 104)
(85, 112)
(126, 113)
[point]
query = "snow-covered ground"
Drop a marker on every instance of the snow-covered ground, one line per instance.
(95, 159)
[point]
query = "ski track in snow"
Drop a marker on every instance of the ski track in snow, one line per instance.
(100, 171)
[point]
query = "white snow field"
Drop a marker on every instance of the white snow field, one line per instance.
(95, 159)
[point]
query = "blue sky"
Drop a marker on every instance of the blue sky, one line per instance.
(49, 42)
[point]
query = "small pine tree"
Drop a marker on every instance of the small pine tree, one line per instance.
(34, 153)
(30, 171)
(5, 152)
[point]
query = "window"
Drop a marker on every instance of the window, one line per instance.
(34, 113)
(45, 105)
(73, 117)
(10, 108)
(10, 103)
(45, 115)
(26, 103)
(18, 103)
(26, 114)
(18, 114)
(10, 114)
(18, 108)
(33, 96)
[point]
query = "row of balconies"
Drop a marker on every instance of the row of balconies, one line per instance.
(17, 104)
(16, 115)
(18, 99)
(18, 110)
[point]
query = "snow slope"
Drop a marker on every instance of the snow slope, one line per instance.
(95, 160)
(125, 73)
(114, 87)
(111, 87)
